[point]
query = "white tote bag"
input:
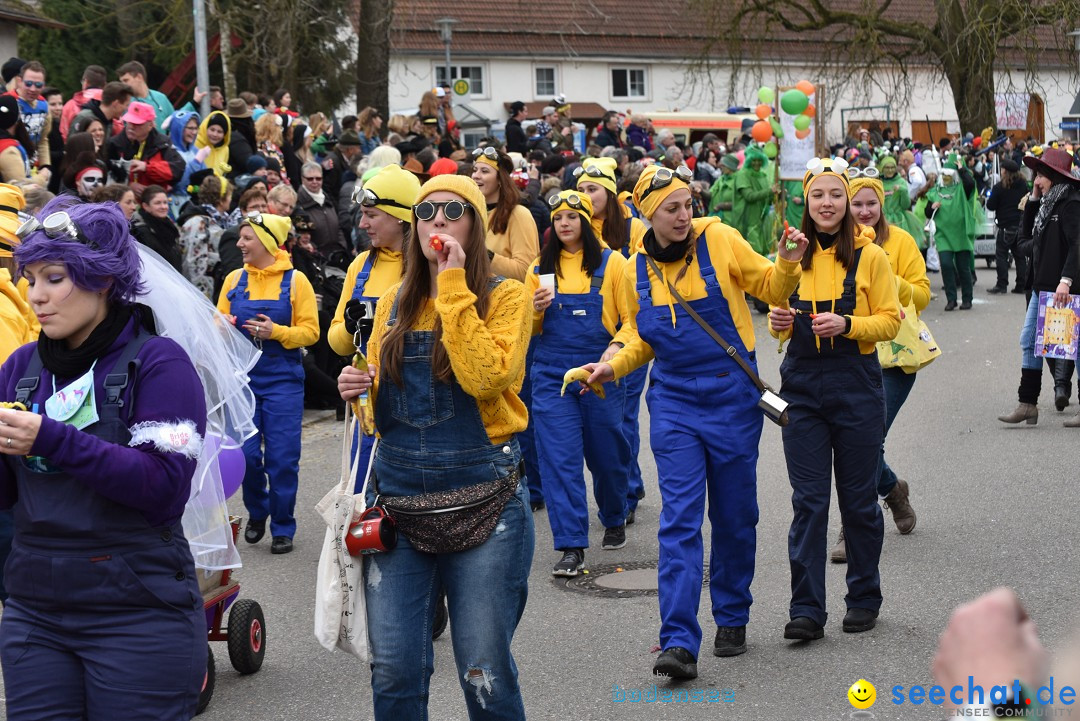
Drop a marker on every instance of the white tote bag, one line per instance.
(340, 609)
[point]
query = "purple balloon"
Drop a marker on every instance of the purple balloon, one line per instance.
(231, 463)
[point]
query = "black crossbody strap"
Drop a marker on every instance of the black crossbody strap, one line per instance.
(728, 348)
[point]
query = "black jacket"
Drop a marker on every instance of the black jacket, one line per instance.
(327, 235)
(1056, 254)
(515, 137)
(164, 165)
(606, 138)
(159, 235)
(1005, 202)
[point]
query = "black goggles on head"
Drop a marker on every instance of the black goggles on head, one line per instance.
(367, 199)
(573, 200)
(665, 176)
(56, 225)
(592, 171)
(452, 209)
(256, 218)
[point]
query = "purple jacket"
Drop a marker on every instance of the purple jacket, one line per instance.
(153, 477)
(638, 136)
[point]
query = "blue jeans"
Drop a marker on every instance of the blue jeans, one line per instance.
(486, 588)
(897, 385)
(1028, 359)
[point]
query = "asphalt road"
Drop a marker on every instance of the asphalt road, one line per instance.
(993, 508)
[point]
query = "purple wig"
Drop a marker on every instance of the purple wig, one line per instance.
(113, 264)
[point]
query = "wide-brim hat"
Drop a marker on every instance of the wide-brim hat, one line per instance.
(1054, 163)
(237, 108)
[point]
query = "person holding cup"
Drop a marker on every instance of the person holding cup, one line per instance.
(582, 319)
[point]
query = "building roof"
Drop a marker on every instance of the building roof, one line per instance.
(578, 111)
(21, 13)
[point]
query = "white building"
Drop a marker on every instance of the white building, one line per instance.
(612, 55)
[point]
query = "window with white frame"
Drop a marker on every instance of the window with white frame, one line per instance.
(628, 83)
(544, 86)
(473, 73)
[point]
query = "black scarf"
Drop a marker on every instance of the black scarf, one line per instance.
(64, 362)
(674, 252)
(825, 240)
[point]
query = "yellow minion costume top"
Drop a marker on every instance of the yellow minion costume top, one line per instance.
(877, 306)
(502, 338)
(218, 160)
(601, 171)
(572, 278)
(515, 247)
(739, 270)
(392, 190)
(265, 284)
(18, 324)
(906, 261)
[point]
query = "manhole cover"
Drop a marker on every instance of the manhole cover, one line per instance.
(617, 580)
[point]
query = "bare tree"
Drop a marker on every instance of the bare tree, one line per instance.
(875, 45)
(373, 56)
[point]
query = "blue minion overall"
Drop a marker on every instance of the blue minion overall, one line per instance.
(432, 439)
(705, 432)
(277, 381)
(837, 420)
(634, 383)
(572, 426)
(366, 442)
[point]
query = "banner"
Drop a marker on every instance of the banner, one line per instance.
(1012, 110)
(795, 153)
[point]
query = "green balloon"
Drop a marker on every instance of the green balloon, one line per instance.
(802, 122)
(794, 102)
(771, 150)
(766, 95)
(776, 129)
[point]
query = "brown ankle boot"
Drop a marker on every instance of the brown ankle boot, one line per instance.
(839, 551)
(903, 514)
(1073, 422)
(1027, 412)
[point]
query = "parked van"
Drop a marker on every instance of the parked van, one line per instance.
(690, 127)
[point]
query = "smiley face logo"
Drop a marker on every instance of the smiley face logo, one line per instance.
(862, 694)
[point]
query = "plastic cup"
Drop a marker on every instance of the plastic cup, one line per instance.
(547, 280)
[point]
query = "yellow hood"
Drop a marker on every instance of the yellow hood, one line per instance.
(218, 160)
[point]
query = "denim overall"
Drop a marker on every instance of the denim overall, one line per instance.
(365, 442)
(432, 438)
(571, 427)
(92, 584)
(277, 381)
(634, 383)
(836, 411)
(705, 430)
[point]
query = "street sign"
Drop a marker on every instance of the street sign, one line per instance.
(461, 86)
(1070, 125)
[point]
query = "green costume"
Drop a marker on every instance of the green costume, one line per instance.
(752, 195)
(793, 212)
(897, 206)
(722, 192)
(955, 232)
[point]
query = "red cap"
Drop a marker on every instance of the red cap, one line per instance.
(139, 113)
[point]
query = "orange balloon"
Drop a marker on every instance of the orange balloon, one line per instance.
(810, 110)
(800, 134)
(763, 111)
(762, 131)
(806, 86)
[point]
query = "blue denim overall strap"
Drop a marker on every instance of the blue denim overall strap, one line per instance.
(279, 311)
(574, 332)
(685, 348)
(362, 279)
(431, 434)
(804, 344)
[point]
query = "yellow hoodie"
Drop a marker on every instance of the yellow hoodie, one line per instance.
(637, 229)
(739, 269)
(572, 279)
(877, 306)
(218, 160)
(15, 330)
(265, 284)
(907, 263)
(22, 300)
(516, 247)
(386, 272)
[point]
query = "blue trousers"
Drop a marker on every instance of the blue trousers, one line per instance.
(570, 428)
(837, 422)
(486, 588)
(7, 532)
(1028, 359)
(897, 385)
(279, 415)
(705, 433)
(527, 438)
(635, 384)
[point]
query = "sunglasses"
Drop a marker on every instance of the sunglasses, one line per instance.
(256, 218)
(56, 225)
(34, 84)
(665, 176)
(313, 178)
(367, 199)
(452, 209)
(573, 200)
(853, 173)
(592, 171)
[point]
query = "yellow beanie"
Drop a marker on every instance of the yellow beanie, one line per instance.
(818, 168)
(459, 185)
(857, 184)
(563, 200)
(394, 183)
(11, 202)
(272, 231)
(605, 165)
(648, 202)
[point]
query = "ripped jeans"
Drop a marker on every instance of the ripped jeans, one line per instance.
(485, 587)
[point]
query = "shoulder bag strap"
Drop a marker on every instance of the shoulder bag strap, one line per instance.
(728, 348)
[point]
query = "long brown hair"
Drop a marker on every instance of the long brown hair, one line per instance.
(845, 236)
(509, 198)
(615, 229)
(414, 295)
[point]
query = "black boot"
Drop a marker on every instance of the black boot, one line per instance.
(1063, 372)
(1030, 385)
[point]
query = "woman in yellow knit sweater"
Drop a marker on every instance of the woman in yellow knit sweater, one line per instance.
(845, 303)
(867, 201)
(512, 238)
(448, 357)
(275, 305)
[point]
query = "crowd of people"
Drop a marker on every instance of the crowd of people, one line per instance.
(454, 294)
